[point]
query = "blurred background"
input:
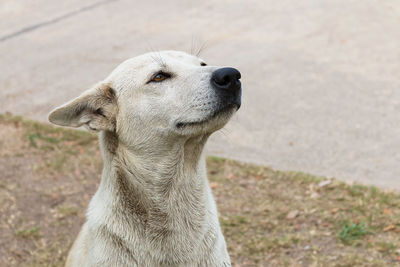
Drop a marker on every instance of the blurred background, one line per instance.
(320, 78)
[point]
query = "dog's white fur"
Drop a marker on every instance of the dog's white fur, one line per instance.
(154, 206)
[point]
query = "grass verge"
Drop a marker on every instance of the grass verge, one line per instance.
(269, 217)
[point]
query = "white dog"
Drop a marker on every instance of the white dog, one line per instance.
(153, 206)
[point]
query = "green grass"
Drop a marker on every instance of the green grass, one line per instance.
(49, 139)
(29, 233)
(352, 231)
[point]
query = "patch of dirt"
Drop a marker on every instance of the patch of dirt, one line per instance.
(43, 192)
(269, 218)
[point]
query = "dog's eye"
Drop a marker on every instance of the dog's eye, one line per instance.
(159, 77)
(203, 64)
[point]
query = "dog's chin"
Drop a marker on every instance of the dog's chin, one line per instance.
(211, 123)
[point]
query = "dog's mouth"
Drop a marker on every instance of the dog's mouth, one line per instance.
(216, 113)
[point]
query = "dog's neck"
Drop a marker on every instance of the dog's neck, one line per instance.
(165, 175)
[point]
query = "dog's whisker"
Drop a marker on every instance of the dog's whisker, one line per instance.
(156, 55)
(203, 46)
(192, 46)
(149, 47)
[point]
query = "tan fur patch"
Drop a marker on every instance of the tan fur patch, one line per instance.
(130, 198)
(110, 141)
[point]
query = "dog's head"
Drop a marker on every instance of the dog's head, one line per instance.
(157, 94)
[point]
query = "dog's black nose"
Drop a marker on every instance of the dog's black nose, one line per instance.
(226, 79)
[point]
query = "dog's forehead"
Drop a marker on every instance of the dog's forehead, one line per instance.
(143, 65)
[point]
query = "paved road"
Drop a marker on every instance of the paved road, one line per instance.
(321, 78)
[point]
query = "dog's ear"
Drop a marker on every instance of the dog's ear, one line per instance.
(96, 109)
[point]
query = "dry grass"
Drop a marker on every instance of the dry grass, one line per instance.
(269, 218)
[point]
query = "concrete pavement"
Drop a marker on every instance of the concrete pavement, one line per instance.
(321, 78)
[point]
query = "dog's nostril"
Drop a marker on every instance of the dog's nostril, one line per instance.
(222, 80)
(226, 80)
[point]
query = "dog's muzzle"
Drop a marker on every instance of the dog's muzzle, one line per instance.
(226, 82)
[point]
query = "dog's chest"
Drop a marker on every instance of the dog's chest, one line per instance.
(163, 234)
